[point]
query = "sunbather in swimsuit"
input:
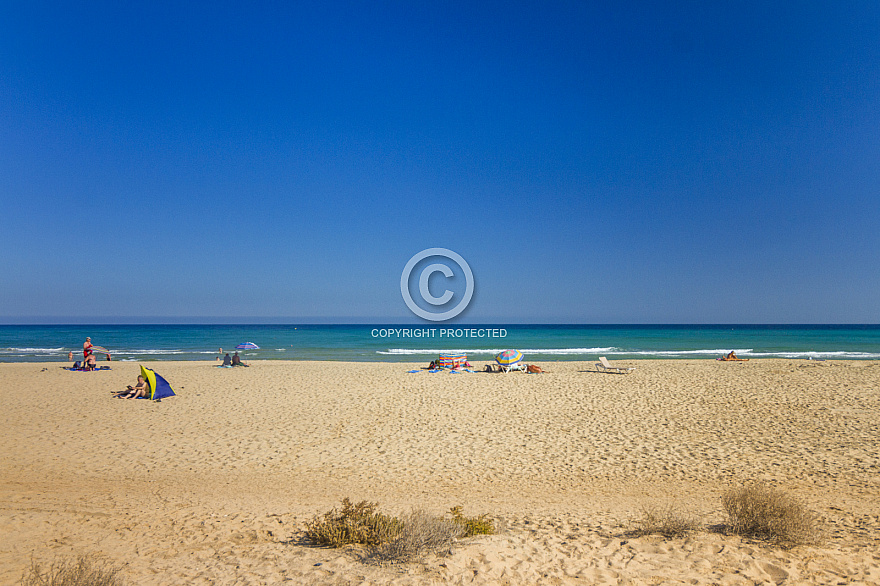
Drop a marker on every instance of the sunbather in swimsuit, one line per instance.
(133, 392)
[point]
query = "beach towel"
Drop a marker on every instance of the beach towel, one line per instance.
(85, 369)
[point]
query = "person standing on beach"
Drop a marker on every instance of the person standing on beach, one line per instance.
(86, 347)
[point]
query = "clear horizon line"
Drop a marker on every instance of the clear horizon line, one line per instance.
(280, 321)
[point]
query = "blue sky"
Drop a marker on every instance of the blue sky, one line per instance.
(593, 162)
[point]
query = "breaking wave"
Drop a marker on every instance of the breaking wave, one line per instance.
(493, 351)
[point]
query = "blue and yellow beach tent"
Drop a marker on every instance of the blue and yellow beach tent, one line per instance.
(159, 387)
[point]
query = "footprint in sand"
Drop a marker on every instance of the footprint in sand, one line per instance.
(776, 573)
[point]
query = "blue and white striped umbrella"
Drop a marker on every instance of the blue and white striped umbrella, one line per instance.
(247, 346)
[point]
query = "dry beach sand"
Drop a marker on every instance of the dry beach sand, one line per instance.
(213, 486)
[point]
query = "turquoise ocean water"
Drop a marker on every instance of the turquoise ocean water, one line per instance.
(384, 343)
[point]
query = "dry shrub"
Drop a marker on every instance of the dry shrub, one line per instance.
(421, 533)
(669, 521)
(480, 525)
(761, 512)
(85, 571)
(359, 523)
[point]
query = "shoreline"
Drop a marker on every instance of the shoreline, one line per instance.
(421, 363)
(81, 472)
(578, 343)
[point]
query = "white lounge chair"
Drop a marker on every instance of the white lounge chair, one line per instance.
(514, 366)
(604, 366)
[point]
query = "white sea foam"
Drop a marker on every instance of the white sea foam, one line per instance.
(129, 352)
(838, 355)
(614, 351)
(750, 353)
(682, 352)
(160, 352)
(157, 352)
(493, 351)
(36, 350)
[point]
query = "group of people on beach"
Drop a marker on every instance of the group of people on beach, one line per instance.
(527, 368)
(235, 360)
(89, 362)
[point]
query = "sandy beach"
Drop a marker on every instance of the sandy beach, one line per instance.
(214, 486)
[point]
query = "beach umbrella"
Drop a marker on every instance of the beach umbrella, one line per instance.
(509, 357)
(247, 346)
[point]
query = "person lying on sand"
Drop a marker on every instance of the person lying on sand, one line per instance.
(133, 392)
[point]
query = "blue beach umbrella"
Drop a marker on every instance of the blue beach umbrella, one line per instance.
(247, 346)
(509, 357)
